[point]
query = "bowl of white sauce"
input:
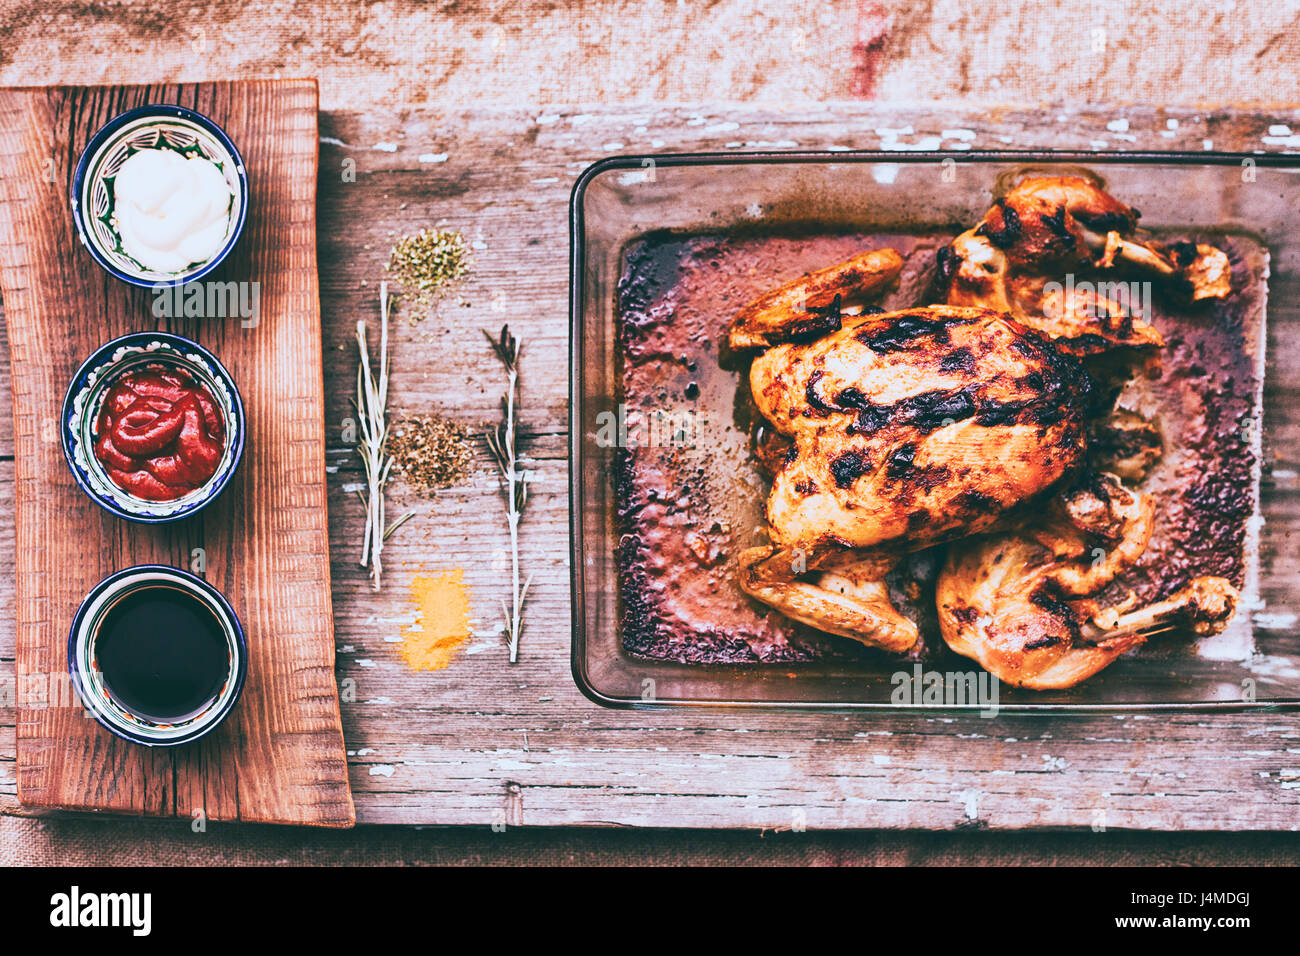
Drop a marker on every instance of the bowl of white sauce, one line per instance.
(160, 196)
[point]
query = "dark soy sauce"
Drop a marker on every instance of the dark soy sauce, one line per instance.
(163, 654)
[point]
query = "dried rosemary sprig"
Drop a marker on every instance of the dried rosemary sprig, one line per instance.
(371, 404)
(501, 442)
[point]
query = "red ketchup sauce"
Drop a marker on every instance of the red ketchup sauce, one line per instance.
(159, 434)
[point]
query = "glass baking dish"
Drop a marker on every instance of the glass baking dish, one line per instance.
(620, 200)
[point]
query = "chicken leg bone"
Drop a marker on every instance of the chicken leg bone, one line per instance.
(1206, 604)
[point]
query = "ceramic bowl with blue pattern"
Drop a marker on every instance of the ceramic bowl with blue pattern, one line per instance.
(109, 708)
(185, 131)
(86, 395)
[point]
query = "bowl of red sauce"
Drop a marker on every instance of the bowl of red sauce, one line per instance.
(153, 427)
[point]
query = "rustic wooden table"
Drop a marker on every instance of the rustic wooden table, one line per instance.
(484, 742)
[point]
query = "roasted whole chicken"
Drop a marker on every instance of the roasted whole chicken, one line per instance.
(970, 423)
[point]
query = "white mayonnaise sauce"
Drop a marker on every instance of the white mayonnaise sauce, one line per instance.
(170, 211)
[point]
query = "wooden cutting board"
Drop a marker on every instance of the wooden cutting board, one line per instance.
(280, 756)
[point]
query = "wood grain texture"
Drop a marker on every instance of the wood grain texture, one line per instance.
(279, 758)
(483, 742)
(476, 53)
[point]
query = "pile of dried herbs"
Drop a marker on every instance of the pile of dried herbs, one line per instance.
(427, 265)
(430, 451)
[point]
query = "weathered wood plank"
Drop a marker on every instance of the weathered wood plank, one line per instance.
(482, 741)
(477, 53)
(280, 757)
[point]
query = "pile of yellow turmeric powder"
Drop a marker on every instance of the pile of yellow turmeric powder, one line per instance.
(442, 625)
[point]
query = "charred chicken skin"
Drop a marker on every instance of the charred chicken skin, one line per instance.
(907, 428)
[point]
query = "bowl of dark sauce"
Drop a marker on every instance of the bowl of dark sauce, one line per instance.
(157, 655)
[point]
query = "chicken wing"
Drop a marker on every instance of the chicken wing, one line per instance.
(1034, 243)
(812, 305)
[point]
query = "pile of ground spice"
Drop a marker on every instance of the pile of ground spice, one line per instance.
(430, 452)
(427, 265)
(442, 621)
